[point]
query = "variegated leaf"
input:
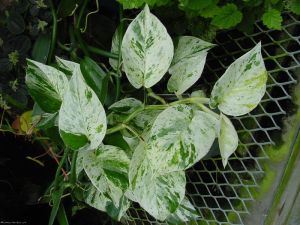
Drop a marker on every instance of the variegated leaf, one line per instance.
(242, 86)
(46, 85)
(115, 48)
(159, 195)
(107, 169)
(180, 137)
(228, 139)
(102, 202)
(147, 50)
(188, 63)
(184, 213)
(66, 65)
(82, 117)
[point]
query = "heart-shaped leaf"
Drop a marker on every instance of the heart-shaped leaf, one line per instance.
(228, 138)
(159, 195)
(46, 85)
(188, 63)
(147, 50)
(242, 86)
(107, 168)
(180, 137)
(82, 117)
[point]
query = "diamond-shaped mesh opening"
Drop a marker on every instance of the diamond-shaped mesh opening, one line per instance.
(224, 196)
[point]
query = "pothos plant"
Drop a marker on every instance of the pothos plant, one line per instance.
(134, 151)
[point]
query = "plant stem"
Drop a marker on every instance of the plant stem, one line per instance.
(199, 101)
(102, 52)
(155, 96)
(60, 165)
(73, 167)
(120, 34)
(54, 31)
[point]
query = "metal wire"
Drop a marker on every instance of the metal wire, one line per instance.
(224, 196)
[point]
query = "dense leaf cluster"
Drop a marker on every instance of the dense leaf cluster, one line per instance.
(135, 149)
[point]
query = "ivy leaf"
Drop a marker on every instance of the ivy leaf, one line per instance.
(46, 85)
(82, 117)
(177, 142)
(147, 50)
(272, 19)
(228, 16)
(242, 86)
(294, 6)
(184, 213)
(188, 63)
(102, 202)
(107, 169)
(159, 195)
(228, 139)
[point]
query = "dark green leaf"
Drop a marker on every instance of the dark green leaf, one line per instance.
(95, 77)
(41, 48)
(272, 19)
(228, 16)
(66, 7)
(294, 6)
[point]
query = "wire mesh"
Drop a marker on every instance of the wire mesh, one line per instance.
(224, 196)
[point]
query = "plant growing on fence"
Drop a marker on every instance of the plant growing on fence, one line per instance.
(131, 150)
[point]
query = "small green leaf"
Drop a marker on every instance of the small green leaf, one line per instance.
(41, 48)
(188, 63)
(272, 19)
(180, 137)
(241, 87)
(184, 213)
(228, 16)
(228, 139)
(82, 117)
(95, 77)
(130, 4)
(147, 50)
(294, 6)
(46, 85)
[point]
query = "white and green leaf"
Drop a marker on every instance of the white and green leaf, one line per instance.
(102, 202)
(188, 63)
(180, 137)
(66, 65)
(228, 139)
(184, 213)
(46, 85)
(115, 48)
(159, 195)
(147, 50)
(242, 86)
(82, 117)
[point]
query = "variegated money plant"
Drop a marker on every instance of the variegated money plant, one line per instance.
(158, 141)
